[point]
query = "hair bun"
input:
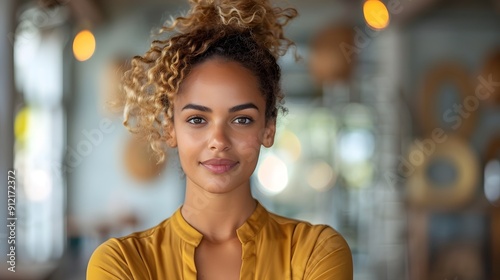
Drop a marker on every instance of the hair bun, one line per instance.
(264, 21)
(154, 79)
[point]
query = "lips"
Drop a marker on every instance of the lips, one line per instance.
(219, 165)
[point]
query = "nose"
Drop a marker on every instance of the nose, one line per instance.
(219, 140)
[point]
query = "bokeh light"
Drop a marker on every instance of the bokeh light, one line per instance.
(290, 144)
(492, 182)
(21, 123)
(272, 175)
(84, 45)
(321, 176)
(356, 146)
(376, 14)
(39, 185)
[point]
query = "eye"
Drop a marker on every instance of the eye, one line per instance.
(243, 120)
(196, 120)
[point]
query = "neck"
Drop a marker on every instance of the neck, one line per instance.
(217, 215)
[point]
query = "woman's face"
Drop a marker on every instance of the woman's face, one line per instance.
(219, 125)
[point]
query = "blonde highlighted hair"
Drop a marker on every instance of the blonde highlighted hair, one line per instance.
(247, 31)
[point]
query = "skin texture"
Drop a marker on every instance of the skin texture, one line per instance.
(219, 114)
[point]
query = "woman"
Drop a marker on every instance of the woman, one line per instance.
(213, 91)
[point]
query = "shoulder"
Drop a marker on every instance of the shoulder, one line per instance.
(330, 258)
(108, 262)
(305, 230)
(121, 258)
(137, 240)
(320, 250)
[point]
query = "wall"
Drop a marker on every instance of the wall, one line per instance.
(99, 188)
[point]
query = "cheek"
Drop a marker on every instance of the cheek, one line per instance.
(186, 136)
(188, 146)
(249, 148)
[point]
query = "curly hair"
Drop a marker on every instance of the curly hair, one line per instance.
(246, 31)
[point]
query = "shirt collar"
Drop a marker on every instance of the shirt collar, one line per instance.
(253, 224)
(246, 232)
(184, 230)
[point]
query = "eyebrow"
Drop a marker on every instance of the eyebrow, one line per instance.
(231, 110)
(243, 107)
(197, 107)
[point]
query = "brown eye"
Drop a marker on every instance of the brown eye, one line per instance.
(196, 120)
(243, 120)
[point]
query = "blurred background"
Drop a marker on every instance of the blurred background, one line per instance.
(392, 135)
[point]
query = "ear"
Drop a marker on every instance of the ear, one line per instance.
(269, 132)
(171, 137)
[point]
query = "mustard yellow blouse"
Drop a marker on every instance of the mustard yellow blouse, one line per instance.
(273, 247)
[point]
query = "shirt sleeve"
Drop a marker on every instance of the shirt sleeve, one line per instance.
(331, 258)
(108, 263)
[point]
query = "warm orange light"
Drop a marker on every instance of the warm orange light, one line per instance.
(376, 14)
(84, 45)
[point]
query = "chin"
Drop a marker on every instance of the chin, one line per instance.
(218, 189)
(221, 186)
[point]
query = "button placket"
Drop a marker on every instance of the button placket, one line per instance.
(248, 258)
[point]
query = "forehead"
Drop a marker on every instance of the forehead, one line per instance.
(220, 81)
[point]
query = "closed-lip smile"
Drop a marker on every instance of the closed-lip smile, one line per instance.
(219, 165)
